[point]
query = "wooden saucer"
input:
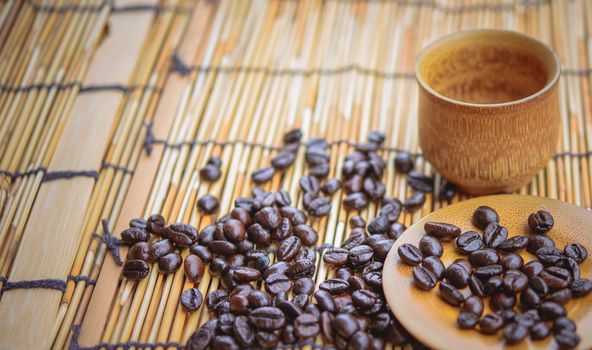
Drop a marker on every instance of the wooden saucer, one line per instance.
(433, 322)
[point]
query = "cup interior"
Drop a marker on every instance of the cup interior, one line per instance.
(487, 67)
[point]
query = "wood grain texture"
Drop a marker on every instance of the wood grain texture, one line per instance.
(488, 108)
(419, 311)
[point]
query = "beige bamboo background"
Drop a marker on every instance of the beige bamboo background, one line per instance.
(256, 68)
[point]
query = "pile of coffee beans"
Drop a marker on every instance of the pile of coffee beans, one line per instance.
(318, 164)
(211, 171)
(493, 269)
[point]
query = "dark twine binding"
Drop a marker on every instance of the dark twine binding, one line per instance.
(117, 167)
(86, 279)
(61, 9)
(150, 139)
(69, 174)
(110, 241)
(83, 88)
(49, 283)
(17, 174)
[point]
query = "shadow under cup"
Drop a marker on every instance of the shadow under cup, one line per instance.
(488, 108)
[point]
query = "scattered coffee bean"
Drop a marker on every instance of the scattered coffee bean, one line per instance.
(169, 263)
(415, 201)
(491, 323)
(208, 204)
(450, 294)
(483, 216)
(469, 242)
(420, 182)
(423, 278)
(467, 320)
(262, 175)
(442, 231)
(135, 269)
(537, 242)
(409, 254)
(430, 246)
(541, 221)
(514, 333)
(581, 287)
(494, 234)
(473, 304)
(513, 244)
(576, 251)
(191, 299)
(435, 266)
(403, 162)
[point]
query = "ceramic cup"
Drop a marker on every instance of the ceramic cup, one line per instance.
(488, 108)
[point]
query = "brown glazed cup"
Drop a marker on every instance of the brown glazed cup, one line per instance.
(488, 108)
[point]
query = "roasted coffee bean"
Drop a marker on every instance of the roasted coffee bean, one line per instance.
(307, 253)
(354, 184)
(457, 275)
(155, 224)
(376, 137)
(576, 251)
(203, 253)
(307, 234)
(512, 262)
(356, 201)
(423, 278)
(269, 217)
(208, 234)
(469, 242)
(483, 216)
(528, 318)
(289, 248)
(336, 257)
(284, 231)
(139, 251)
(135, 269)
(325, 300)
(194, 268)
(430, 246)
(326, 326)
(334, 285)
(563, 323)
(303, 286)
(556, 277)
(549, 255)
(310, 184)
(262, 175)
(508, 315)
(359, 341)
(243, 332)
(464, 263)
(331, 186)
(476, 286)
(493, 285)
(356, 283)
(537, 242)
(234, 230)
(409, 254)
(435, 266)
(306, 326)
(515, 281)
(567, 339)
(502, 300)
(382, 248)
(415, 201)
(533, 268)
(258, 299)
(375, 189)
(447, 191)
(513, 244)
(561, 296)
(484, 257)
(222, 247)
(514, 333)
(246, 274)
(345, 325)
(571, 265)
(134, 235)
(289, 308)
(208, 204)
(214, 298)
(420, 182)
(319, 207)
(169, 263)
(277, 283)
(494, 234)
(259, 235)
(538, 285)
(182, 235)
(380, 224)
(267, 340)
(239, 304)
(581, 287)
(491, 323)
(138, 223)
(283, 160)
(467, 320)
(360, 256)
(282, 198)
(267, 318)
(357, 236)
(225, 323)
(296, 216)
(278, 267)
(484, 272)
(539, 331)
(288, 336)
(210, 172)
(200, 340)
(292, 136)
(473, 304)
(316, 155)
(403, 162)
(450, 294)
(357, 221)
(541, 222)
(218, 266)
(301, 268)
(551, 310)
(225, 342)
(191, 299)
(441, 230)
(364, 299)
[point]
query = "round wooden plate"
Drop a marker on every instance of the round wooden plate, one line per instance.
(433, 322)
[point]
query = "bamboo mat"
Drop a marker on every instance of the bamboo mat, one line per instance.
(223, 78)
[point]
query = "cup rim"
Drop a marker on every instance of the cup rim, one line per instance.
(548, 85)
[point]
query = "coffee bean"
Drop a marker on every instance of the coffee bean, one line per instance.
(476, 286)
(155, 224)
(336, 257)
(551, 310)
(356, 201)
(430, 246)
(222, 247)
(514, 333)
(316, 155)
(491, 323)
(420, 182)
(539, 331)
(303, 286)
(246, 274)
(512, 262)
(359, 341)
(403, 162)
(234, 230)
(515, 281)
(502, 300)
(200, 340)
(556, 277)
(202, 252)
(379, 225)
(538, 285)
(319, 207)
(396, 230)
(473, 304)
(549, 255)
(483, 216)
(291, 309)
(225, 342)
(581, 287)
(423, 278)
(182, 235)
(215, 298)
(292, 136)
(357, 221)
(415, 201)
(567, 339)
(457, 275)
(267, 318)
(533, 268)
(345, 325)
(570, 265)
(306, 326)
(576, 251)
(139, 251)
(360, 256)
(267, 340)
(262, 175)
(493, 285)
(277, 283)
(513, 244)
(488, 271)
(289, 248)
(210, 172)
(441, 230)
(239, 303)
(301, 268)
(307, 234)
(563, 323)
(243, 332)
(529, 298)
(310, 184)
(325, 300)
(269, 217)
(409, 254)
(447, 191)
(331, 186)
(194, 268)
(467, 320)
(135, 269)
(561, 296)
(283, 160)
(334, 285)
(541, 221)
(208, 204)
(169, 263)
(134, 235)
(528, 318)
(469, 242)
(296, 216)
(484, 257)
(450, 294)
(537, 242)
(374, 188)
(494, 234)
(435, 266)
(191, 299)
